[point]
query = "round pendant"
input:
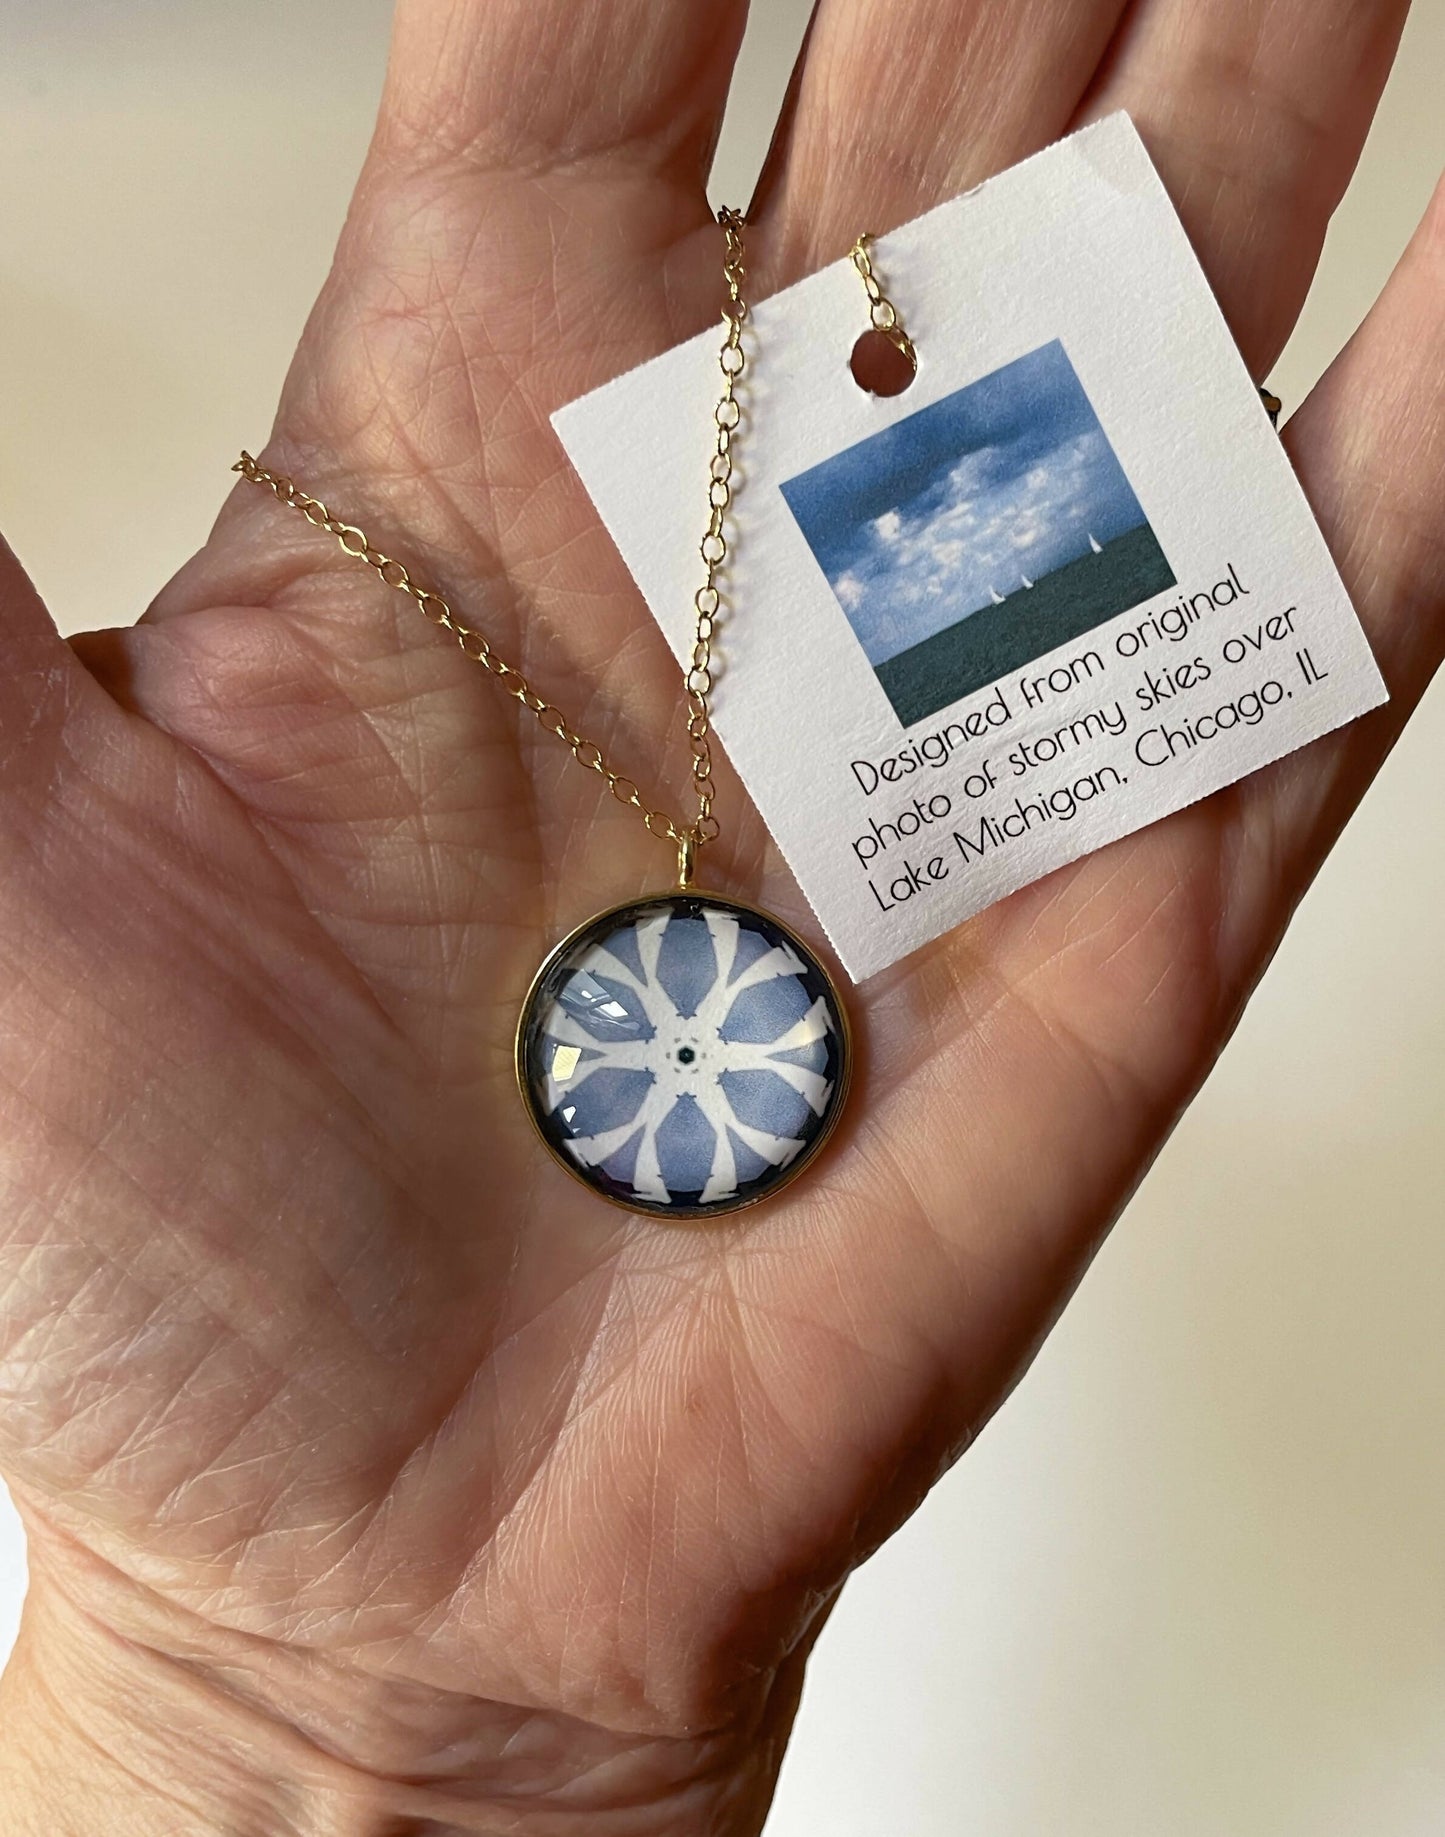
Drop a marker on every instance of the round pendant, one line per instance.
(683, 1055)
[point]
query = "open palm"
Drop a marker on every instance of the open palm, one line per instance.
(323, 1385)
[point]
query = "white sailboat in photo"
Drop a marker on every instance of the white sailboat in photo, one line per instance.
(1025, 579)
(997, 597)
(1097, 547)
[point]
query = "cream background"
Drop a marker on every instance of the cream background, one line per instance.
(1193, 1579)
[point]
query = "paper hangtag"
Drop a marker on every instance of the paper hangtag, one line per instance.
(1063, 585)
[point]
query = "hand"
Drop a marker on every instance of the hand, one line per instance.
(387, 1473)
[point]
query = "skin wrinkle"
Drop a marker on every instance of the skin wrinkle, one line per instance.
(1167, 970)
(37, 714)
(984, 1250)
(489, 491)
(583, 1396)
(59, 1710)
(503, 1511)
(202, 1683)
(1147, 922)
(201, 1186)
(1105, 1074)
(197, 926)
(102, 1278)
(1015, 996)
(260, 1402)
(1118, 865)
(740, 1355)
(1229, 916)
(261, 1406)
(1293, 112)
(13, 1355)
(516, 627)
(972, 137)
(976, 992)
(578, 1410)
(271, 828)
(417, 1453)
(60, 1313)
(847, 1338)
(647, 144)
(347, 1624)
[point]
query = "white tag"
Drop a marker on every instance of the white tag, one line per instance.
(1064, 584)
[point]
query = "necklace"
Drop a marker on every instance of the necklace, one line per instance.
(685, 1054)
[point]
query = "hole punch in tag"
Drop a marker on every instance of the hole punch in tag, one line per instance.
(878, 366)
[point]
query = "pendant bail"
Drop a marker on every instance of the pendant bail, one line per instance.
(686, 859)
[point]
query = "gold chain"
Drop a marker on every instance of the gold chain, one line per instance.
(697, 682)
(881, 310)
(697, 679)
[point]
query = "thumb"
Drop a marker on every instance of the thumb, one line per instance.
(43, 687)
(37, 663)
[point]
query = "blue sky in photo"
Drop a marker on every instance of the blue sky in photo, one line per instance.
(917, 527)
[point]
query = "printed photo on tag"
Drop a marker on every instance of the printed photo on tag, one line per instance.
(979, 534)
(1063, 584)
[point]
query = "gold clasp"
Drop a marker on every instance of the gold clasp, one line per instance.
(686, 859)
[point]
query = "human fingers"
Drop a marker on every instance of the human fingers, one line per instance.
(1255, 112)
(1254, 109)
(528, 85)
(43, 691)
(511, 242)
(1369, 445)
(897, 107)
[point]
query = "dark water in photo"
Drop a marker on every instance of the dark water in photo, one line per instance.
(1033, 620)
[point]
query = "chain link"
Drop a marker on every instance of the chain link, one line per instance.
(697, 679)
(882, 313)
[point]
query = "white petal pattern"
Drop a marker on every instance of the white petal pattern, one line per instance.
(683, 1054)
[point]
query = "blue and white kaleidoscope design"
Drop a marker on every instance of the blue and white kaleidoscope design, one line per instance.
(683, 1054)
